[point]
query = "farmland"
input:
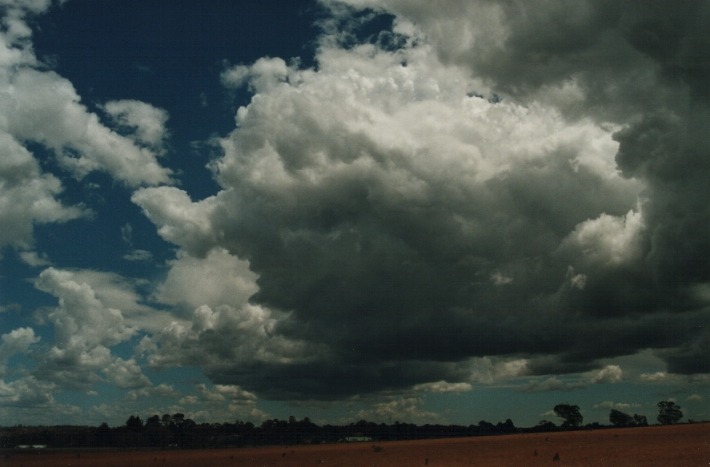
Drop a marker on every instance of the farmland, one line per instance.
(685, 444)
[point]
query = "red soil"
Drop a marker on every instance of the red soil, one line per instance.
(686, 445)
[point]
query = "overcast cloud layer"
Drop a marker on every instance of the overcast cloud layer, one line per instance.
(485, 190)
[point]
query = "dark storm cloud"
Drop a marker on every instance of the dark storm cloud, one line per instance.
(406, 228)
(335, 379)
(643, 65)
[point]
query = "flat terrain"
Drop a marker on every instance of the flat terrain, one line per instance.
(682, 445)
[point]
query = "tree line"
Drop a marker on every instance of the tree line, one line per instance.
(178, 431)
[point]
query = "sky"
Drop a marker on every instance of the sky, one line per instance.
(390, 210)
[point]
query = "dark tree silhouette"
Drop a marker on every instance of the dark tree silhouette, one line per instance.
(640, 420)
(570, 414)
(619, 418)
(668, 413)
(134, 423)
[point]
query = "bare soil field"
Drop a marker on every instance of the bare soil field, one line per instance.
(678, 445)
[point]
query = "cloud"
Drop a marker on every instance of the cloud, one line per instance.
(161, 390)
(402, 409)
(180, 221)
(115, 292)
(41, 110)
(443, 386)
(217, 279)
(145, 123)
(263, 75)
(401, 223)
(138, 255)
(622, 406)
(27, 196)
(87, 323)
(126, 374)
(657, 376)
(608, 375)
(487, 370)
(553, 383)
(26, 392)
(14, 342)
(47, 110)
(640, 67)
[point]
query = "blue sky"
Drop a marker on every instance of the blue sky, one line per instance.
(359, 209)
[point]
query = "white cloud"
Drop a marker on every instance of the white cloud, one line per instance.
(34, 259)
(39, 106)
(147, 123)
(179, 220)
(222, 402)
(84, 330)
(217, 279)
(403, 409)
(47, 110)
(658, 376)
(14, 342)
(26, 392)
(443, 387)
(120, 293)
(609, 240)
(126, 374)
(224, 392)
(81, 319)
(262, 76)
(138, 255)
(488, 370)
(553, 383)
(622, 406)
(27, 196)
(162, 390)
(226, 337)
(608, 374)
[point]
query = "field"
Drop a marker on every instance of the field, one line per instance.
(682, 445)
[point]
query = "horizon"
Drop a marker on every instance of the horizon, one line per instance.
(353, 209)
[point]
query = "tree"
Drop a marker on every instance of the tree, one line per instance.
(619, 418)
(570, 414)
(668, 413)
(134, 423)
(640, 420)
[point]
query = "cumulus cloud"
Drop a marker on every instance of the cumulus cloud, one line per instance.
(217, 279)
(161, 390)
(145, 123)
(26, 392)
(180, 220)
(14, 342)
(402, 409)
(39, 107)
(47, 110)
(88, 322)
(608, 374)
(388, 210)
(27, 196)
(126, 374)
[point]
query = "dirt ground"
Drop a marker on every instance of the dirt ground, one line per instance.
(678, 445)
